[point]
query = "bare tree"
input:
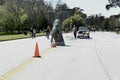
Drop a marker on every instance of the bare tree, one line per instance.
(35, 9)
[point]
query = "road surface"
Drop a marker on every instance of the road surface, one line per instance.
(96, 58)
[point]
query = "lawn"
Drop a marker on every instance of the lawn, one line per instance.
(17, 36)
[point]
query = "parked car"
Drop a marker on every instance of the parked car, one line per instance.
(83, 32)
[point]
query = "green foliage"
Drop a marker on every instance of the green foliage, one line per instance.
(102, 23)
(42, 22)
(16, 16)
(24, 22)
(6, 37)
(76, 19)
(10, 22)
(113, 3)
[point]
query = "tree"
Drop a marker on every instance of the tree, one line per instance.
(37, 12)
(96, 21)
(49, 13)
(113, 3)
(113, 22)
(61, 11)
(76, 19)
(2, 20)
(13, 7)
(15, 15)
(2, 2)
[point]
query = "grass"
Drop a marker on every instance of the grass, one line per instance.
(16, 36)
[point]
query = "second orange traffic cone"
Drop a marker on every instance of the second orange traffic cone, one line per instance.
(36, 54)
(53, 44)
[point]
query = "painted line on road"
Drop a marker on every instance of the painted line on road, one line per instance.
(19, 68)
(45, 51)
(108, 73)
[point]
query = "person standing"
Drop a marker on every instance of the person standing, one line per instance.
(34, 33)
(47, 32)
(31, 32)
(94, 29)
(34, 30)
(74, 31)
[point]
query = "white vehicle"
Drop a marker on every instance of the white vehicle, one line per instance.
(83, 33)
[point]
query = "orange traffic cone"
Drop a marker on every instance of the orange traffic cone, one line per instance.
(36, 54)
(53, 44)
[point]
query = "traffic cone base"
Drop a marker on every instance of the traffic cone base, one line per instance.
(36, 56)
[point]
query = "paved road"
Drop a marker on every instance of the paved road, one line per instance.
(81, 59)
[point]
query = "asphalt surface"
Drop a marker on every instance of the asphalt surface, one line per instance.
(96, 58)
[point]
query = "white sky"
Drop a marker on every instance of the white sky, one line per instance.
(91, 6)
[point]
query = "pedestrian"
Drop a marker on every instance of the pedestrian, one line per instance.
(117, 30)
(94, 29)
(25, 31)
(34, 30)
(34, 33)
(47, 32)
(31, 32)
(74, 31)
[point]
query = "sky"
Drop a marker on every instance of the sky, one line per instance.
(91, 7)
